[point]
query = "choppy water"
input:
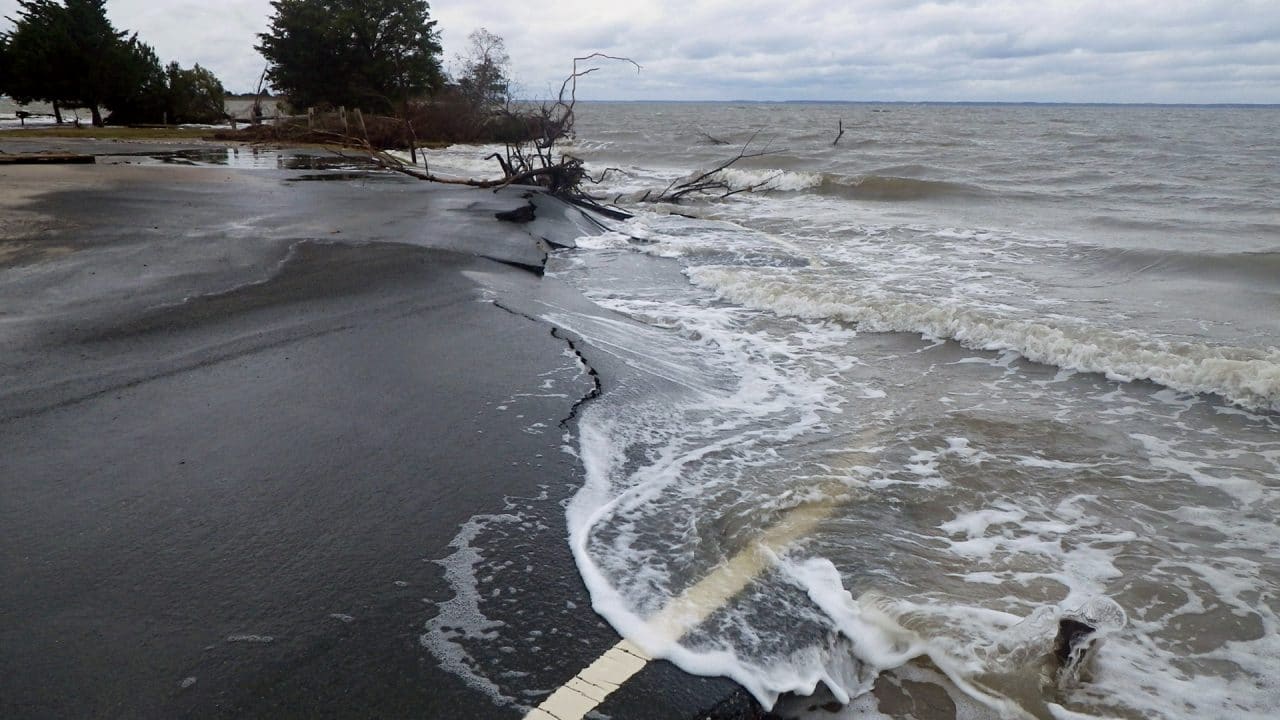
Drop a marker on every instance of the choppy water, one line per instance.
(967, 371)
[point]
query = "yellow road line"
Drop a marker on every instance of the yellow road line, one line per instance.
(589, 688)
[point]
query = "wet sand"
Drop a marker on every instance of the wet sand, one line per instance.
(242, 417)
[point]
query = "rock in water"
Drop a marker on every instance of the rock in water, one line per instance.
(1081, 633)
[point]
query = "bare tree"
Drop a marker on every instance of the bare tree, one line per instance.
(484, 72)
(537, 162)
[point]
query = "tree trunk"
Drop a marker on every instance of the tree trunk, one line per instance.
(97, 114)
(57, 113)
(364, 131)
(413, 138)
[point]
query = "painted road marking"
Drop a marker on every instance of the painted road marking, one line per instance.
(727, 580)
(589, 688)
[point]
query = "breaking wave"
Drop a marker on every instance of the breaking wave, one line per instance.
(796, 505)
(1245, 376)
(888, 188)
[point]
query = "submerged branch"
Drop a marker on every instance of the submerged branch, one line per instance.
(711, 139)
(712, 181)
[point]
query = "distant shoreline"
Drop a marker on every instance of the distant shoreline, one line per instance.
(249, 97)
(940, 103)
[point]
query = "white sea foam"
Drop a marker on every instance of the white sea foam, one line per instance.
(250, 638)
(733, 417)
(999, 497)
(471, 162)
(783, 180)
(1064, 543)
(1033, 543)
(461, 617)
(630, 582)
(1246, 376)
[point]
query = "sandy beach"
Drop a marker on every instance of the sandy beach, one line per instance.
(245, 413)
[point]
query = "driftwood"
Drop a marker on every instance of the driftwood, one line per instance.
(711, 139)
(840, 134)
(552, 178)
(537, 163)
(566, 177)
(712, 182)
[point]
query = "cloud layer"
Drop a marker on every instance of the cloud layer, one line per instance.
(1003, 50)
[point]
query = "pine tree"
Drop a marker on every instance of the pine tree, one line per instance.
(39, 48)
(106, 60)
(6, 73)
(370, 54)
(68, 54)
(194, 96)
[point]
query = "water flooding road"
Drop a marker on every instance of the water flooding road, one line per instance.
(242, 425)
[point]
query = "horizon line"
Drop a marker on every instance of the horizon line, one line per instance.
(1093, 103)
(745, 101)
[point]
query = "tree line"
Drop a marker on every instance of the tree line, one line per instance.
(69, 54)
(382, 56)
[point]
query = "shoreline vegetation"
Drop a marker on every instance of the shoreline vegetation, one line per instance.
(390, 95)
(120, 132)
(321, 65)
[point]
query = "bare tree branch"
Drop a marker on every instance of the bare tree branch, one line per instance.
(604, 174)
(712, 182)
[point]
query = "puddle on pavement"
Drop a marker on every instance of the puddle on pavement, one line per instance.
(332, 176)
(331, 166)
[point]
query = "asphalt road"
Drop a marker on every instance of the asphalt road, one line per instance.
(244, 418)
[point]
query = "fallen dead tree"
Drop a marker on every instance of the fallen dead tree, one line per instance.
(713, 182)
(567, 179)
(538, 162)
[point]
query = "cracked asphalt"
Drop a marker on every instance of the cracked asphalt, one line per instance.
(243, 420)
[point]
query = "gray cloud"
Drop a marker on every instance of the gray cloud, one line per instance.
(1065, 50)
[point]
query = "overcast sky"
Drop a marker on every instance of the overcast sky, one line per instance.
(1006, 50)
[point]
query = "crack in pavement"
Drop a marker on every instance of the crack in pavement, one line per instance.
(597, 388)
